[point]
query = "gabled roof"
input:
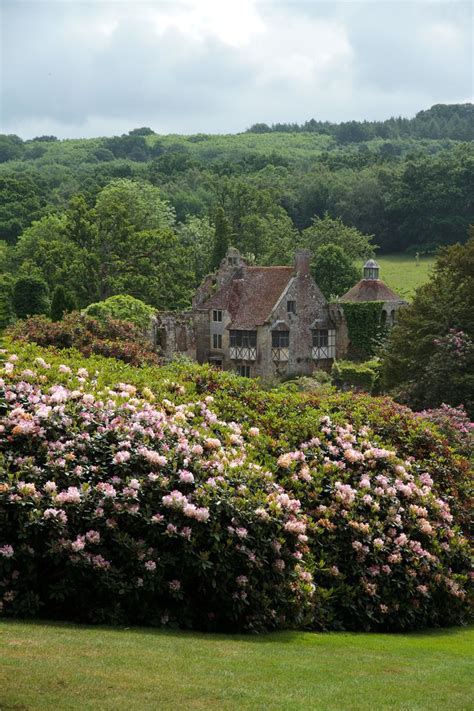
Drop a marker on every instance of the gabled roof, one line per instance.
(370, 290)
(251, 295)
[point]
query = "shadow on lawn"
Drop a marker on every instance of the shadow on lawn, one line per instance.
(283, 637)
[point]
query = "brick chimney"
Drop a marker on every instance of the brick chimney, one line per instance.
(303, 261)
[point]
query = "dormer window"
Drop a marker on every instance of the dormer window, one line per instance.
(232, 261)
(217, 315)
(291, 307)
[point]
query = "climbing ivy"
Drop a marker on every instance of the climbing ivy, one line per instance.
(364, 324)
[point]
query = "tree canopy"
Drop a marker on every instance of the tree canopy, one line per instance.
(429, 356)
(333, 271)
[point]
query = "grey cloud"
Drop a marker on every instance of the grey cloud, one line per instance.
(60, 75)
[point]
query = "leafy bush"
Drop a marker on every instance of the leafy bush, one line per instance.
(347, 374)
(124, 308)
(94, 418)
(112, 338)
(116, 511)
(284, 418)
(386, 554)
(454, 423)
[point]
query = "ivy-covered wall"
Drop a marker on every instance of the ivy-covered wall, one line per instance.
(364, 325)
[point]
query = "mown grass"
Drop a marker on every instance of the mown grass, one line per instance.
(61, 666)
(403, 274)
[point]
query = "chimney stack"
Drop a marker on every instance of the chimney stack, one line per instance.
(303, 261)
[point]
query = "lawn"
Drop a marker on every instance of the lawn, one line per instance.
(60, 666)
(402, 273)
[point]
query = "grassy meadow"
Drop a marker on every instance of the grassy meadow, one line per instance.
(402, 273)
(61, 666)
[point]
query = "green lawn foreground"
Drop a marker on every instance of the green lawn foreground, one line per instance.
(61, 666)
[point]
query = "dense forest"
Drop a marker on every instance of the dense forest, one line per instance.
(150, 215)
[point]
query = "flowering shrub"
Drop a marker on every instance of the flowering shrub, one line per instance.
(455, 424)
(285, 419)
(107, 337)
(117, 511)
(385, 551)
(88, 435)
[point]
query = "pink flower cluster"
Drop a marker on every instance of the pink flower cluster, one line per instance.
(120, 487)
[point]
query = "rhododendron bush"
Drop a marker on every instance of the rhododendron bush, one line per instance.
(386, 552)
(127, 496)
(118, 511)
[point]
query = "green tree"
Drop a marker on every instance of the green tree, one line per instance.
(124, 308)
(424, 338)
(20, 203)
(30, 296)
(61, 303)
(196, 235)
(7, 313)
(333, 271)
(328, 230)
(222, 236)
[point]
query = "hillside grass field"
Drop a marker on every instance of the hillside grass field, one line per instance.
(62, 666)
(403, 274)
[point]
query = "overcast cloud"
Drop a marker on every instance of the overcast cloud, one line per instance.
(100, 67)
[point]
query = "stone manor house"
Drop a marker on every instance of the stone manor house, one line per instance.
(267, 321)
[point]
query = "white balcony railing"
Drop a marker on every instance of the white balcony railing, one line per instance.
(323, 352)
(243, 353)
(280, 355)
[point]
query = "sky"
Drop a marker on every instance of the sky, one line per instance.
(81, 68)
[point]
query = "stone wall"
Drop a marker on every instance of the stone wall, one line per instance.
(174, 333)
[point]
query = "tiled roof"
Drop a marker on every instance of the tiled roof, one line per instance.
(370, 290)
(251, 297)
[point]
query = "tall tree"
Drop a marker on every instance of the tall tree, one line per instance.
(333, 271)
(222, 235)
(328, 230)
(30, 296)
(429, 356)
(61, 303)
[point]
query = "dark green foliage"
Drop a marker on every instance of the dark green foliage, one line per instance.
(333, 271)
(332, 231)
(364, 323)
(429, 357)
(144, 131)
(392, 179)
(6, 301)
(11, 148)
(222, 236)
(125, 244)
(20, 203)
(30, 296)
(134, 147)
(441, 121)
(61, 303)
(363, 376)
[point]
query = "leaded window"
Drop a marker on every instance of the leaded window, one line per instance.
(280, 339)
